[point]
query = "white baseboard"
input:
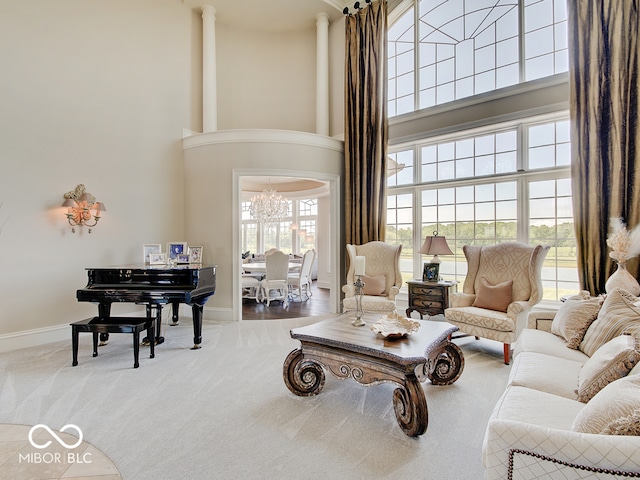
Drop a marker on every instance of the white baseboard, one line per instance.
(34, 338)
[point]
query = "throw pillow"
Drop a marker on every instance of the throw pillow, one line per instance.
(618, 313)
(573, 319)
(612, 361)
(494, 297)
(374, 285)
(615, 410)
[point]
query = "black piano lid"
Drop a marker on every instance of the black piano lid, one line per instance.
(146, 266)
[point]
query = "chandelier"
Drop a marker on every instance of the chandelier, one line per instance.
(268, 208)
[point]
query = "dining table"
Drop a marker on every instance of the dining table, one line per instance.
(261, 267)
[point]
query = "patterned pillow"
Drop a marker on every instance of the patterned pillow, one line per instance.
(612, 361)
(573, 318)
(493, 297)
(618, 313)
(615, 410)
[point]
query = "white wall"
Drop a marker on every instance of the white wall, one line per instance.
(95, 92)
(266, 80)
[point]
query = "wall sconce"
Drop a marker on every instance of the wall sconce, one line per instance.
(80, 204)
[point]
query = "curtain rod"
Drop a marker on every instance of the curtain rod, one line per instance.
(356, 6)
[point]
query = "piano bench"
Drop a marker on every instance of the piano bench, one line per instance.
(98, 325)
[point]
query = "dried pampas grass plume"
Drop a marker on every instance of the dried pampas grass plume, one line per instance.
(624, 244)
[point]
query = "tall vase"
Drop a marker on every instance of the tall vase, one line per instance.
(621, 278)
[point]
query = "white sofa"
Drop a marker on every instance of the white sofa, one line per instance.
(535, 430)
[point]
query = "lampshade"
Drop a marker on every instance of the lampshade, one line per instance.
(100, 206)
(435, 246)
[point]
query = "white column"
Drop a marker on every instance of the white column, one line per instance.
(209, 90)
(322, 74)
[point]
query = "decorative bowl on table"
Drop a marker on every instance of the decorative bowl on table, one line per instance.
(395, 326)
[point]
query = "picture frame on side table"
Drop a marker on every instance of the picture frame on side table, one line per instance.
(149, 248)
(176, 248)
(430, 272)
(195, 254)
(157, 258)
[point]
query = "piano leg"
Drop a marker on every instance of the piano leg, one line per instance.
(175, 308)
(158, 337)
(104, 311)
(197, 325)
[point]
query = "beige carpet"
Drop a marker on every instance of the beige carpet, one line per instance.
(224, 411)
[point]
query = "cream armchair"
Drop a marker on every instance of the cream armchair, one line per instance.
(503, 282)
(382, 277)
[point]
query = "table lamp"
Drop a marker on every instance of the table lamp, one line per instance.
(435, 245)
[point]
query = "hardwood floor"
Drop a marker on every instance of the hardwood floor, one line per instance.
(318, 304)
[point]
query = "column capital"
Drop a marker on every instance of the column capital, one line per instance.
(322, 17)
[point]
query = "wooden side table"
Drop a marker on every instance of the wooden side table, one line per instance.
(429, 298)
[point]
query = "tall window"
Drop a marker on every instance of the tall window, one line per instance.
(483, 187)
(447, 50)
(472, 173)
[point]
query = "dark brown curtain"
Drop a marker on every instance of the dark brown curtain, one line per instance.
(366, 129)
(603, 48)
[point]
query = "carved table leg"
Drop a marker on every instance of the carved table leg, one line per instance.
(444, 364)
(303, 378)
(410, 406)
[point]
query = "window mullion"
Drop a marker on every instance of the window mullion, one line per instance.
(521, 46)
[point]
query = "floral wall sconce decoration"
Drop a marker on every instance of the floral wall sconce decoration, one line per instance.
(82, 208)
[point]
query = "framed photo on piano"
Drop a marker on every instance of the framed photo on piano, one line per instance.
(157, 258)
(195, 254)
(176, 248)
(150, 248)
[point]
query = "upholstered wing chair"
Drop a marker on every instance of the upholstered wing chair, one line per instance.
(382, 277)
(503, 282)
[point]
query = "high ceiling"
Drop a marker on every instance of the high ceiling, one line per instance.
(277, 15)
(289, 187)
(273, 15)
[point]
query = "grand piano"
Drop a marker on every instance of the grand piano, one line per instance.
(153, 286)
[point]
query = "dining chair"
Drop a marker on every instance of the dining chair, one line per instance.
(275, 284)
(251, 287)
(300, 282)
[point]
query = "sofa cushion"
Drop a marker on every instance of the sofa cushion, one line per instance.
(618, 313)
(480, 317)
(531, 340)
(544, 409)
(493, 297)
(546, 373)
(574, 318)
(612, 361)
(615, 410)
(374, 285)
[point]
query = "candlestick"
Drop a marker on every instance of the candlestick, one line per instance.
(360, 265)
(358, 322)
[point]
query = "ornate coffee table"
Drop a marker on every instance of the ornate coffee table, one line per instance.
(357, 352)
